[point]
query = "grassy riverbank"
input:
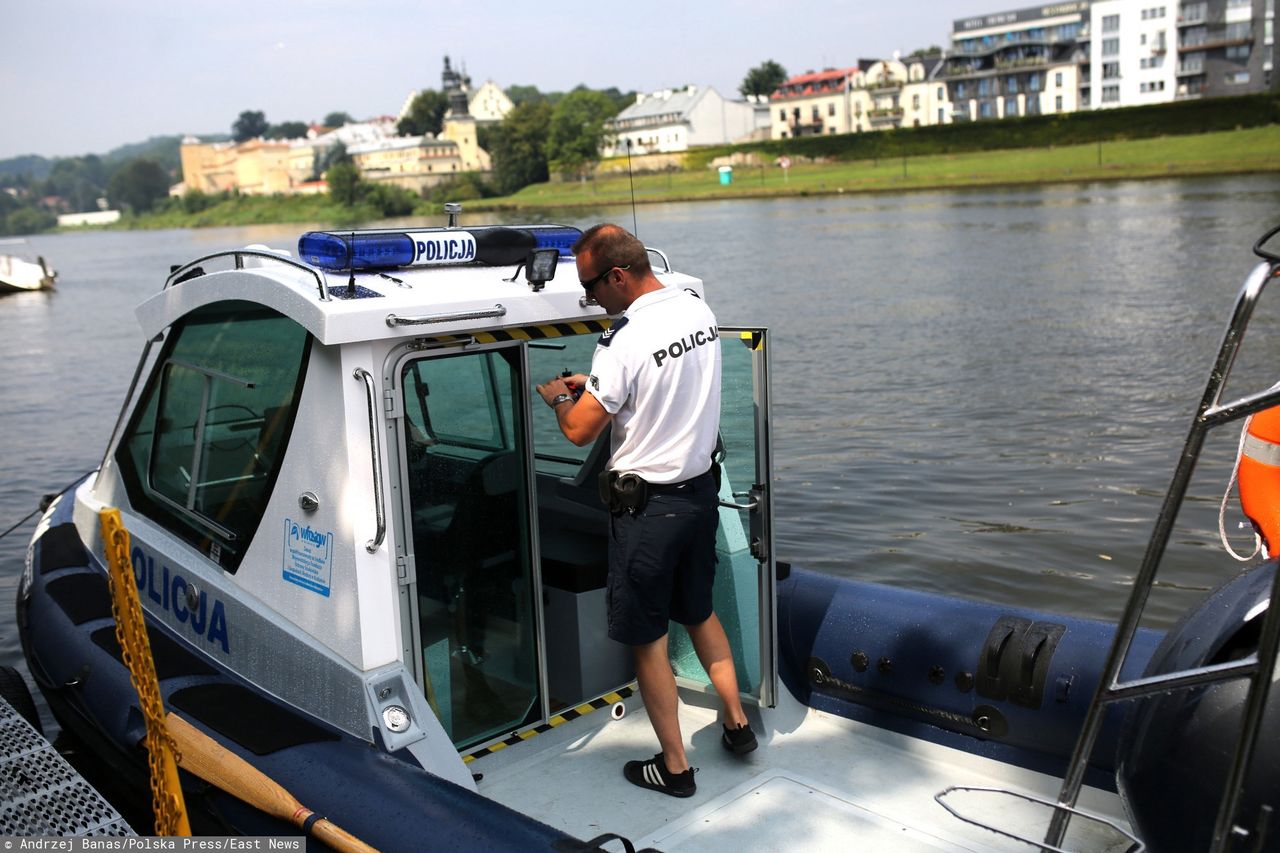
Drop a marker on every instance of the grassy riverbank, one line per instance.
(1240, 151)
(1227, 152)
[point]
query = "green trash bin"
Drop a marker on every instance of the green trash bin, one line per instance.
(726, 175)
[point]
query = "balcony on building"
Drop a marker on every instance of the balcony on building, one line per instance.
(799, 128)
(1029, 61)
(1213, 41)
(885, 116)
(883, 84)
(1192, 14)
(1191, 90)
(986, 45)
(961, 68)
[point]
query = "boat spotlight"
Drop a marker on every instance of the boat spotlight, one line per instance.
(539, 267)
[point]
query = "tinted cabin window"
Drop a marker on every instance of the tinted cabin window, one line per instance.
(206, 441)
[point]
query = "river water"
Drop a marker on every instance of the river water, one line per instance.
(980, 392)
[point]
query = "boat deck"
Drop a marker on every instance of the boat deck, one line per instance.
(817, 782)
(41, 794)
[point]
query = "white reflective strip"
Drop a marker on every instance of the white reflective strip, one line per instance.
(651, 774)
(1261, 450)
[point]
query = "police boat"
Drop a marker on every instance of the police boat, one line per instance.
(374, 570)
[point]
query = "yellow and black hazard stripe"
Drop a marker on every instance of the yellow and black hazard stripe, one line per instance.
(533, 333)
(557, 720)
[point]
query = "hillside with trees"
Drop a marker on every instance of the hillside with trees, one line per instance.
(134, 178)
(548, 134)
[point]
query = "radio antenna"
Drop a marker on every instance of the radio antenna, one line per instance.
(635, 229)
(351, 267)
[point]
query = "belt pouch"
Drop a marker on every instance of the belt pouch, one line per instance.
(631, 493)
(605, 486)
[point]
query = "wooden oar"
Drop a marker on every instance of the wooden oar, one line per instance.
(214, 763)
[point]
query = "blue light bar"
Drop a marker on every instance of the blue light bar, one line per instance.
(381, 250)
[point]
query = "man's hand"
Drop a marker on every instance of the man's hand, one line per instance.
(554, 387)
(584, 420)
(577, 382)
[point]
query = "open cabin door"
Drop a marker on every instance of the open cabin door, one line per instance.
(504, 535)
(469, 591)
(745, 589)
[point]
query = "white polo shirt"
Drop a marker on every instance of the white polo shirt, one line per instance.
(657, 371)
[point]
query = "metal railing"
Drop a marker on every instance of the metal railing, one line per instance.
(1257, 667)
(239, 255)
(495, 312)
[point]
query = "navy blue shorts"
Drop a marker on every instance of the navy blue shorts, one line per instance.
(662, 562)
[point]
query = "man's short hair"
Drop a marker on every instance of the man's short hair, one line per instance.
(615, 246)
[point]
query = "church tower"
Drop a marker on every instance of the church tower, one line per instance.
(459, 124)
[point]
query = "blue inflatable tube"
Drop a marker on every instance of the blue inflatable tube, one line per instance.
(1002, 682)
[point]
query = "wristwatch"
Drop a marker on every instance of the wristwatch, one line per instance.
(560, 398)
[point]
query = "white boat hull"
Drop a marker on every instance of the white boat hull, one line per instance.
(18, 275)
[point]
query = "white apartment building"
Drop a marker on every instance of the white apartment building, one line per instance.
(920, 98)
(874, 95)
(816, 103)
(1103, 54)
(673, 120)
(1132, 53)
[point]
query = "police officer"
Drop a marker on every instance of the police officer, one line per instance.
(655, 376)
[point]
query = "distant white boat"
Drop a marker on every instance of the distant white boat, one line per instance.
(17, 274)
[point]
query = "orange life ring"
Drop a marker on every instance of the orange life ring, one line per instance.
(1260, 477)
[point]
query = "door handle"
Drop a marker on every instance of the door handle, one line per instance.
(752, 504)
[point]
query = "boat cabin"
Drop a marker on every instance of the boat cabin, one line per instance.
(342, 487)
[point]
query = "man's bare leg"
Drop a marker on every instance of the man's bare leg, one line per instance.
(712, 646)
(661, 701)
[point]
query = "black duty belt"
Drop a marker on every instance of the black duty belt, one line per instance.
(662, 488)
(630, 493)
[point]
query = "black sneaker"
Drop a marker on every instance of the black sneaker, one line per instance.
(654, 774)
(740, 740)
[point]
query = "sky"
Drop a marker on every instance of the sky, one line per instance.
(85, 76)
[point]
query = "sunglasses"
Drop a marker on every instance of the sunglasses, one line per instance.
(590, 284)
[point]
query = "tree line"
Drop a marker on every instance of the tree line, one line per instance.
(545, 133)
(74, 184)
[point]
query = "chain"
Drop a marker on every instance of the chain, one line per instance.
(135, 650)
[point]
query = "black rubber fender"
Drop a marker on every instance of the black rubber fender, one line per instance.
(1176, 747)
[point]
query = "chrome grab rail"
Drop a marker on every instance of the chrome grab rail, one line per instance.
(498, 310)
(241, 254)
(666, 264)
(375, 451)
(1258, 667)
